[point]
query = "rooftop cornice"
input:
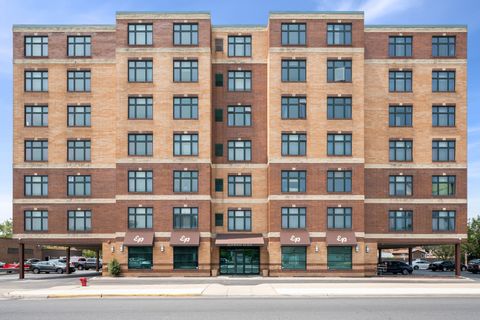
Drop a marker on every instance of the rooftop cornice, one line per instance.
(316, 15)
(416, 28)
(63, 28)
(163, 15)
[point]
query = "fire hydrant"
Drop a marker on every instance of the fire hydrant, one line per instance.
(83, 281)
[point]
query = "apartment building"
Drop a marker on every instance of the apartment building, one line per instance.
(301, 147)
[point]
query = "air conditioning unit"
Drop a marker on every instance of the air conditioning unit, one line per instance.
(340, 74)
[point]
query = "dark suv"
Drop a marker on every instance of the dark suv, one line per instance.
(398, 267)
(474, 266)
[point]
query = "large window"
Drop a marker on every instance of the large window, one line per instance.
(443, 116)
(443, 81)
(79, 150)
(239, 150)
(339, 34)
(36, 186)
(36, 220)
(140, 218)
(339, 181)
(239, 80)
(401, 150)
(185, 34)
(185, 218)
(79, 81)
(140, 34)
(400, 81)
(400, 220)
(239, 186)
(140, 181)
(140, 144)
(294, 107)
(140, 257)
(294, 144)
(294, 258)
(443, 185)
(36, 116)
(140, 70)
(239, 46)
(339, 258)
(294, 34)
(185, 108)
(294, 70)
(79, 185)
(400, 186)
(400, 46)
(185, 258)
(443, 150)
(185, 181)
(79, 46)
(36, 150)
(294, 181)
(79, 220)
(79, 116)
(185, 144)
(239, 116)
(339, 218)
(443, 46)
(185, 70)
(400, 116)
(294, 218)
(443, 220)
(140, 108)
(36, 46)
(36, 81)
(339, 108)
(339, 70)
(339, 144)
(239, 220)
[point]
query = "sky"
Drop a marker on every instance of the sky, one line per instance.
(238, 12)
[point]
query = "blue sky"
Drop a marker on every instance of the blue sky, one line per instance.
(237, 12)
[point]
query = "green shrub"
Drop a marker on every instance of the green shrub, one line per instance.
(114, 268)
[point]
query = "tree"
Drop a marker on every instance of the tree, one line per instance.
(472, 246)
(443, 252)
(6, 229)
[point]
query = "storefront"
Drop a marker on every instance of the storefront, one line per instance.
(339, 249)
(294, 249)
(140, 249)
(239, 253)
(185, 249)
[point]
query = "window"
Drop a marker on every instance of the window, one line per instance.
(218, 219)
(140, 181)
(239, 46)
(140, 257)
(339, 34)
(140, 70)
(36, 46)
(401, 150)
(294, 144)
(79, 46)
(294, 107)
(185, 144)
(443, 81)
(185, 181)
(140, 108)
(218, 79)
(339, 181)
(185, 34)
(339, 218)
(79, 185)
(218, 185)
(239, 116)
(218, 149)
(185, 108)
(339, 144)
(443, 185)
(339, 258)
(400, 186)
(400, 81)
(140, 218)
(36, 220)
(399, 46)
(185, 71)
(218, 115)
(294, 70)
(218, 45)
(400, 116)
(239, 150)
(239, 80)
(294, 218)
(294, 181)
(443, 46)
(339, 108)
(36, 81)
(36, 116)
(185, 258)
(79, 81)
(443, 116)
(36, 150)
(79, 116)
(140, 144)
(36, 186)
(294, 34)
(400, 220)
(443, 150)
(239, 220)
(339, 70)
(443, 220)
(294, 258)
(140, 34)
(239, 186)
(78, 150)
(79, 220)
(185, 218)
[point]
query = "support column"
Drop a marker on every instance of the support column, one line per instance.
(458, 259)
(21, 258)
(379, 256)
(68, 260)
(410, 256)
(97, 257)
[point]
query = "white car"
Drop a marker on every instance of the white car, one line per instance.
(420, 264)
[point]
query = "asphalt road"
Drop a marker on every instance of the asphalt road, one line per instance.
(238, 308)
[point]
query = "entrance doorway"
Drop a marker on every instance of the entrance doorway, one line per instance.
(237, 261)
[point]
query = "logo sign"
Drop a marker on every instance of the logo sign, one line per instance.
(341, 239)
(295, 239)
(185, 239)
(138, 239)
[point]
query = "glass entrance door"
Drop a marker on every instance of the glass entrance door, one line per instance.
(239, 260)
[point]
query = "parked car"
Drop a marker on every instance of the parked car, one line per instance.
(90, 264)
(13, 267)
(32, 261)
(420, 264)
(396, 267)
(1, 264)
(445, 265)
(64, 261)
(474, 266)
(50, 266)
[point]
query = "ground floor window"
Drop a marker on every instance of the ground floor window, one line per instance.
(294, 258)
(140, 258)
(185, 258)
(339, 258)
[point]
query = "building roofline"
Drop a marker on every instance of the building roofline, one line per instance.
(62, 27)
(429, 26)
(317, 12)
(162, 14)
(239, 26)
